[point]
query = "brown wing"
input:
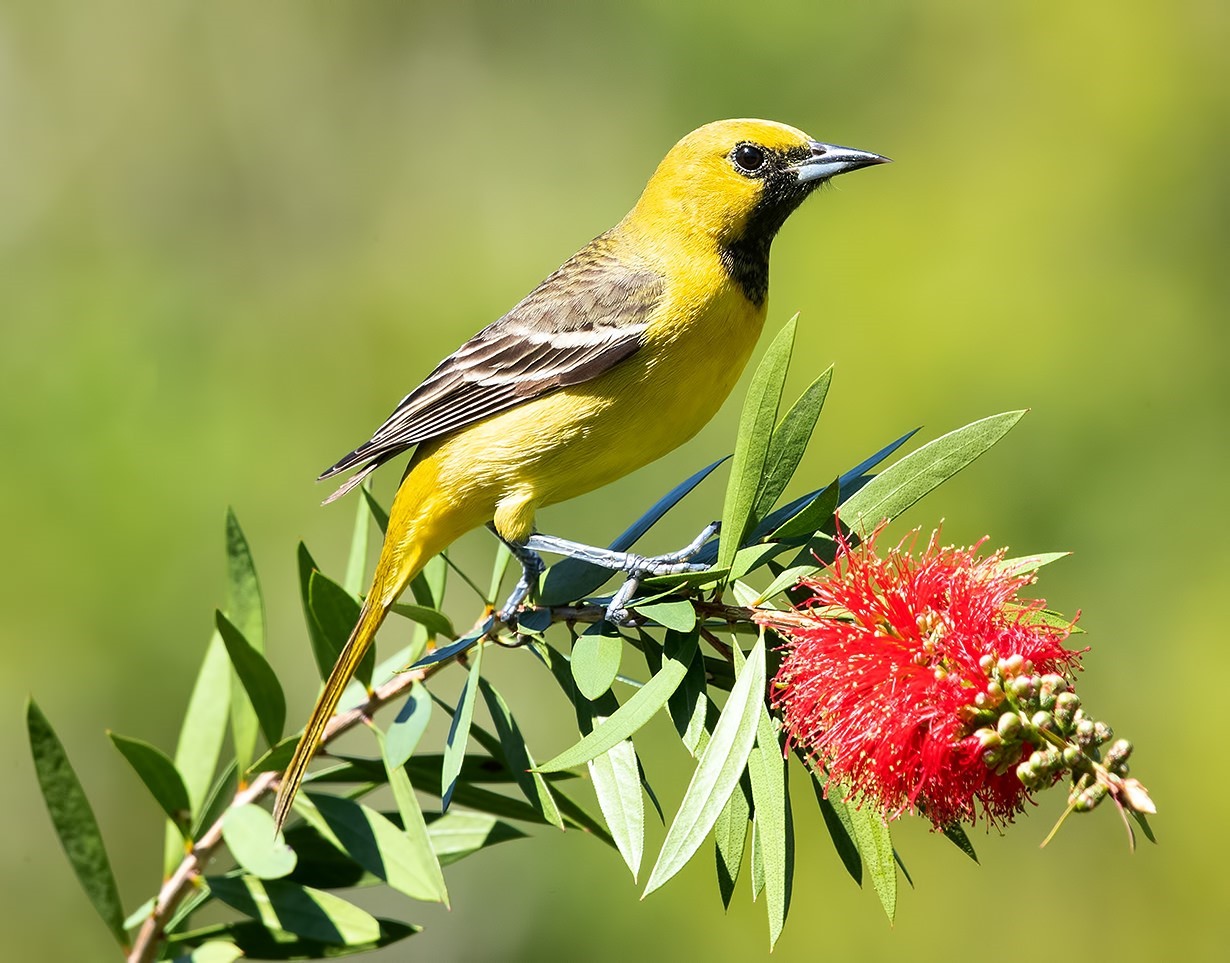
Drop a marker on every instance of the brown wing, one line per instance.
(584, 319)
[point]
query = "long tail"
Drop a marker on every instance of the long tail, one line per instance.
(415, 533)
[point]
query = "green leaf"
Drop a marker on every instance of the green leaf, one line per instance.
(689, 706)
(379, 515)
(841, 829)
(498, 568)
(356, 561)
(751, 450)
(679, 614)
(1030, 563)
(774, 837)
(956, 834)
(595, 659)
(616, 775)
(459, 731)
(212, 952)
(256, 845)
(160, 776)
(258, 680)
(426, 866)
(875, 845)
(730, 839)
(310, 913)
(458, 834)
(244, 607)
(408, 727)
(434, 621)
(405, 862)
(74, 821)
(904, 482)
(786, 579)
(811, 517)
(788, 443)
(718, 771)
(245, 610)
(201, 737)
(270, 943)
(335, 613)
(518, 758)
(638, 710)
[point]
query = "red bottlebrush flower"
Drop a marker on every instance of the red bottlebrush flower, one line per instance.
(896, 660)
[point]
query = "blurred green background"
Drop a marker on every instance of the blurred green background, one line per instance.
(233, 235)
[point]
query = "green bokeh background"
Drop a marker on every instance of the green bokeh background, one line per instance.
(233, 235)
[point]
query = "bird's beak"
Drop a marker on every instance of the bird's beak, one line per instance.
(829, 160)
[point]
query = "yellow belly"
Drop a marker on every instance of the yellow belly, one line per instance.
(584, 436)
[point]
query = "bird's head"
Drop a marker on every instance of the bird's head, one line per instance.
(737, 181)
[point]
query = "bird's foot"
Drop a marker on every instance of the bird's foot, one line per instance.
(637, 567)
(532, 566)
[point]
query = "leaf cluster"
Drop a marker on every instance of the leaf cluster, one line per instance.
(706, 668)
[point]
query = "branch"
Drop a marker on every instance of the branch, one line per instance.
(191, 869)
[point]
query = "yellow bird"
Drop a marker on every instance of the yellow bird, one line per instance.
(618, 357)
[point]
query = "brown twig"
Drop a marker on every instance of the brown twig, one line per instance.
(185, 877)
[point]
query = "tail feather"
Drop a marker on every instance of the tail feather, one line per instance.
(370, 617)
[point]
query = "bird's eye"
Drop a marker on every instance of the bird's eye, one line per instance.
(748, 158)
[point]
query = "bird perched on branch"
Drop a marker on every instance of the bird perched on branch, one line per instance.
(618, 357)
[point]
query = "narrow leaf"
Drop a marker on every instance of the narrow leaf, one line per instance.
(755, 430)
(774, 834)
(74, 821)
(334, 612)
(382, 848)
(718, 771)
(679, 614)
(956, 834)
(256, 845)
(356, 561)
(788, 443)
(875, 845)
(245, 610)
(408, 727)
(811, 517)
(904, 482)
(634, 713)
(160, 776)
(730, 839)
(310, 913)
(459, 731)
(260, 942)
(433, 620)
(257, 678)
(458, 834)
(595, 659)
(200, 738)
(518, 758)
(424, 862)
(841, 829)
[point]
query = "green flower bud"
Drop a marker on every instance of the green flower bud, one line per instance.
(1090, 797)
(1066, 706)
(1043, 721)
(1086, 734)
(1117, 756)
(1073, 758)
(1022, 688)
(1009, 726)
(1103, 732)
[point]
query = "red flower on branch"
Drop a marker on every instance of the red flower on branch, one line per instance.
(897, 660)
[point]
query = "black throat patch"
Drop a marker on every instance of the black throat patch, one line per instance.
(746, 258)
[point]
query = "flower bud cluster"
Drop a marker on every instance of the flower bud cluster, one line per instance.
(1035, 725)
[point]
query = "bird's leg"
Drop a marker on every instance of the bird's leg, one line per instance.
(532, 566)
(637, 566)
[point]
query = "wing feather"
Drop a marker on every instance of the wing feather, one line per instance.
(580, 322)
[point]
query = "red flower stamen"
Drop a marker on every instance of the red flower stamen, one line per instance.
(892, 661)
